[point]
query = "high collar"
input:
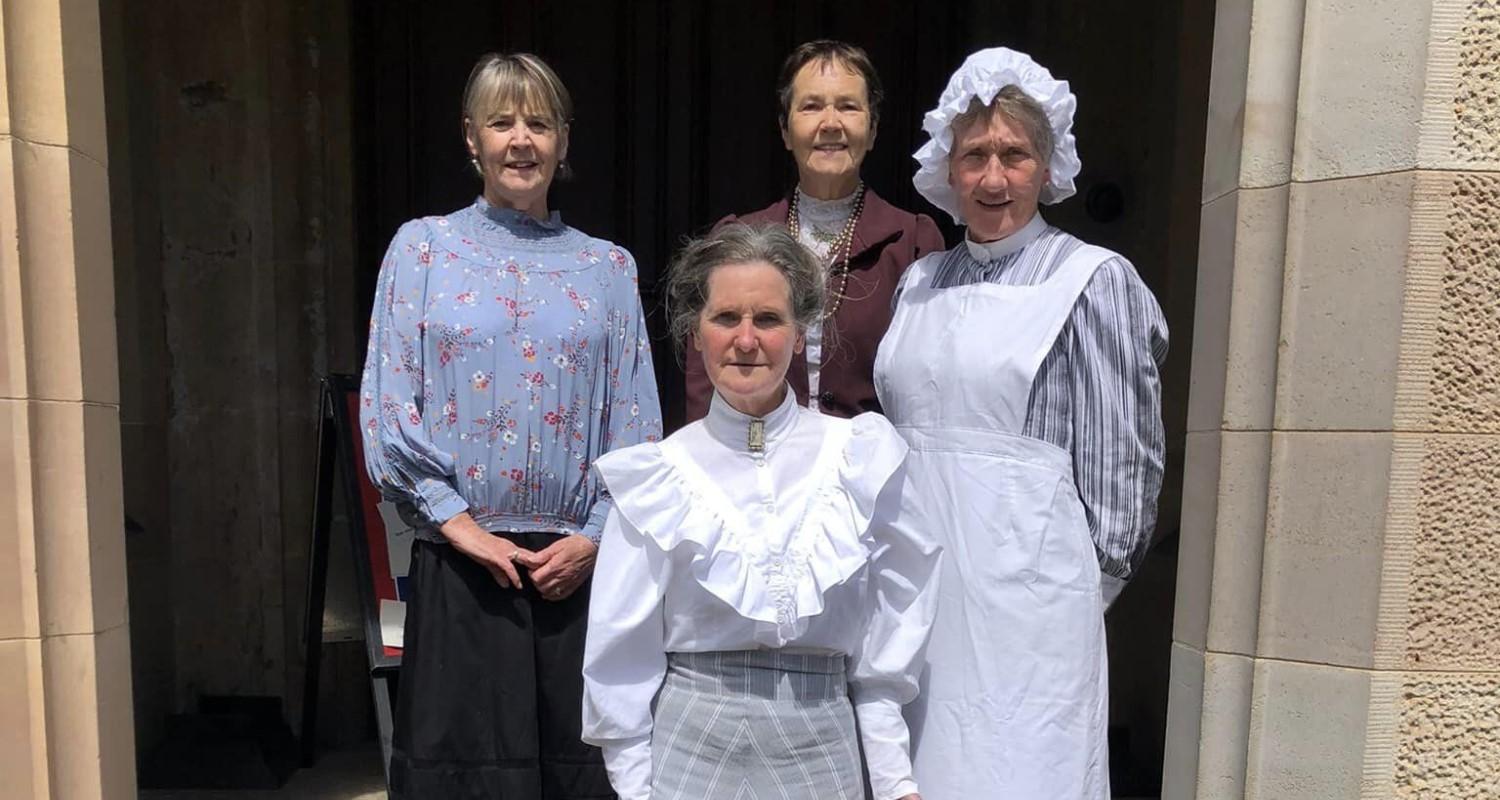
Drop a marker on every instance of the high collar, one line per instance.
(516, 220)
(732, 428)
(878, 223)
(985, 252)
(824, 212)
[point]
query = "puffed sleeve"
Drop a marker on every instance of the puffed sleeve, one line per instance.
(633, 407)
(624, 657)
(402, 460)
(929, 237)
(1119, 341)
(901, 606)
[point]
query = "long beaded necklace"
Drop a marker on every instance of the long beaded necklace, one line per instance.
(838, 264)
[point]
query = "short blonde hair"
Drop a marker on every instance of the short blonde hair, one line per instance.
(518, 81)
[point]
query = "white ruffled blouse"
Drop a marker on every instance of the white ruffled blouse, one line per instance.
(711, 547)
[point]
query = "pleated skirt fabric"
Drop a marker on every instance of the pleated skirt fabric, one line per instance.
(755, 725)
(491, 694)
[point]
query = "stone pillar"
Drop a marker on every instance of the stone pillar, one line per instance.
(1339, 575)
(65, 711)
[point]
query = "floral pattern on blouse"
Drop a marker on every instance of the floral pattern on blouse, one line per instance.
(506, 354)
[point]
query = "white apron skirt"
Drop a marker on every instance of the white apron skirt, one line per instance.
(1014, 701)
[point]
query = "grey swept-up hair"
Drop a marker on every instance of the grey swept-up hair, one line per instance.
(738, 243)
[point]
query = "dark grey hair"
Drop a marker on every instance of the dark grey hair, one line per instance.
(738, 243)
(830, 52)
(1018, 107)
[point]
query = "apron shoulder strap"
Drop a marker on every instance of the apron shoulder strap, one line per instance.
(1064, 288)
(918, 275)
(1079, 268)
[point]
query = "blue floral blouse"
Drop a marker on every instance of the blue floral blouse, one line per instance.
(506, 354)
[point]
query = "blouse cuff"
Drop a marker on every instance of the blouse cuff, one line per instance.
(883, 733)
(594, 527)
(628, 762)
(898, 791)
(438, 501)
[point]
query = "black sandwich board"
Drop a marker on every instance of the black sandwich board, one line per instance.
(339, 443)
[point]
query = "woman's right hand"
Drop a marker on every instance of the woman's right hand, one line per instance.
(495, 553)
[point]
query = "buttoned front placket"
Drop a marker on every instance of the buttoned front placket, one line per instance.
(766, 509)
(758, 454)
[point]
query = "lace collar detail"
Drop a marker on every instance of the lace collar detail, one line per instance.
(824, 213)
(512, 229)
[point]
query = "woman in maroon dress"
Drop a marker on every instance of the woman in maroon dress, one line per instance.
(830, 104)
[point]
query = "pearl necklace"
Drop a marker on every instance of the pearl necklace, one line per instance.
(838, 265)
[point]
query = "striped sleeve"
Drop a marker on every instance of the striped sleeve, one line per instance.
(1119, 340)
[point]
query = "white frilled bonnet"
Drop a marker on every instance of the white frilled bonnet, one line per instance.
(983, 75)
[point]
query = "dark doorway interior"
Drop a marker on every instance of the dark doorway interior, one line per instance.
(675, 127)
(261, 153)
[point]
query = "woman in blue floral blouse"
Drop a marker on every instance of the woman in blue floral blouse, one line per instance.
(507, 352)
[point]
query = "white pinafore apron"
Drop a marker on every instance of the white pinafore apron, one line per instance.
(1014, 703)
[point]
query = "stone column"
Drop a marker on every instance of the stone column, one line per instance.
(1339, 576)
(65, 709)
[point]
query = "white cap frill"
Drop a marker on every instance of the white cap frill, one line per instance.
(982, 76)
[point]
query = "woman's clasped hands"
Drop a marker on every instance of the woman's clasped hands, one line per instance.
(556, 570)
(560, 568)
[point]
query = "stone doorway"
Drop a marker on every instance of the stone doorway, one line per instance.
(263, 153)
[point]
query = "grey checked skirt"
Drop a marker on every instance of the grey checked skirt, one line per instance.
(754, 725)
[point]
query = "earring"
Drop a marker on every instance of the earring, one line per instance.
(477, 169)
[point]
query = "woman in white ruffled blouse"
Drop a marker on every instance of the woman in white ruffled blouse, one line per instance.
(755, 590)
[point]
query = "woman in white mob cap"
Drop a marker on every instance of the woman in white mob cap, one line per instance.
(1021, 367)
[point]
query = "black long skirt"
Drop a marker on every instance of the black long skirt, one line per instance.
(491, 691)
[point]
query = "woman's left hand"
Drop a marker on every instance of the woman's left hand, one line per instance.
(560, 568)
(912, 796)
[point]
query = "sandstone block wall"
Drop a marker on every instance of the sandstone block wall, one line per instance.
(65, 705)
(1338, 589)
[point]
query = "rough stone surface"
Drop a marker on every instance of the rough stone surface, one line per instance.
(1450, 738)
(1455, 579)
(1466, 359)
(1477, 104)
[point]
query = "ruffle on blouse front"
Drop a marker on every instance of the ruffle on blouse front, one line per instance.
(660, 493)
